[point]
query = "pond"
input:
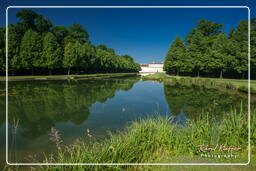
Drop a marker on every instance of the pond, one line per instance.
(100, 106)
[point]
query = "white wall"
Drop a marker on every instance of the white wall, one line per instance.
(152, 68)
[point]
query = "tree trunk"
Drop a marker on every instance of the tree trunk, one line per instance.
(221, 74)
(198, 73)
(178, 73)
(68, 71)
(242, 75)
(77, 70)
(50, 72)
(32, 71)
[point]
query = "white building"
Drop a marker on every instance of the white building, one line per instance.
(151, 68)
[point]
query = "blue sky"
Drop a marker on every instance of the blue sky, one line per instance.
(145, 34)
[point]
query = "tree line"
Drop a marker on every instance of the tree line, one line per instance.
(209, 51)
(36, 46)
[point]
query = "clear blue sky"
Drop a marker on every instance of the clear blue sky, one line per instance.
(145, 34)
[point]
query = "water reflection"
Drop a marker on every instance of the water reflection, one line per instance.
(40, 105)
(193, 100)
(99, 105)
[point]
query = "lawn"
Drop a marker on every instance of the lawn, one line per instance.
(236, 84)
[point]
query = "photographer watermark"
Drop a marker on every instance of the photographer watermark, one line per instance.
(221, 148)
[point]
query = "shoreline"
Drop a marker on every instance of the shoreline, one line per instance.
(232, 84)
(65, 77)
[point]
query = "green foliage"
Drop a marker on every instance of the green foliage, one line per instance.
(51, 52)
(209, 50)
(35, 44)
(175, 58)
(253, 46)
(2, 49)
(70, 56)
(31, 20)
(240, 36)
(209, 28)
(30, 53)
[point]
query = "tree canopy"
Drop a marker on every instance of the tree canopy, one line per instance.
(36, 46)
(209, 51)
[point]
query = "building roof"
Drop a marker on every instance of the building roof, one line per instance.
(156, 63)
(145, 65)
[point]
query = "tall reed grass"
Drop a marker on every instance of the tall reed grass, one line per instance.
(159, 140)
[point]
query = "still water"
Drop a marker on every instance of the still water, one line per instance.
(100, 106)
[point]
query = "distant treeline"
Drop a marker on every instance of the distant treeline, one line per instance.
(209, 51)
(35, 46)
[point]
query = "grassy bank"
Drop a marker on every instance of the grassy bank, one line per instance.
(234, 84)
(158, 140)
(66, 77)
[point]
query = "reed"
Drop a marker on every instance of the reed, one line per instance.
(161, 140)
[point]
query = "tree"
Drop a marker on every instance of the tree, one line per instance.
(51, 52)
(209, 28)
(76, 33)
(103, 47)
(42, 25)
(35, 44)
(30, 53)
(197, 46)
(2, 49)
(31, 20)
(14, 40)
(27, 19)
(60, 33)
(253, 47)
(174, 58)
(240, 36)
(71, 55)
(86, 53)
(222, 55)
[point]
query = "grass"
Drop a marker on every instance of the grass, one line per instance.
(158, 140)
(64, 77)
(234, 84)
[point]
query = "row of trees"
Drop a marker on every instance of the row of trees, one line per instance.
(209, 51)
(36, 46)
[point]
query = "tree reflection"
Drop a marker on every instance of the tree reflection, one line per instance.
(39, 105)
(193, 100)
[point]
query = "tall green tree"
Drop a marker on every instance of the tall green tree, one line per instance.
(76, 33)
(51, 52)
(71, 55)
(174, 59)
(31, 20)
(253, 46)
(14, 42)
(197, 46)
(2, 49)
(240, 36)
(86, 53)
(222, 55)
(30, 53)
